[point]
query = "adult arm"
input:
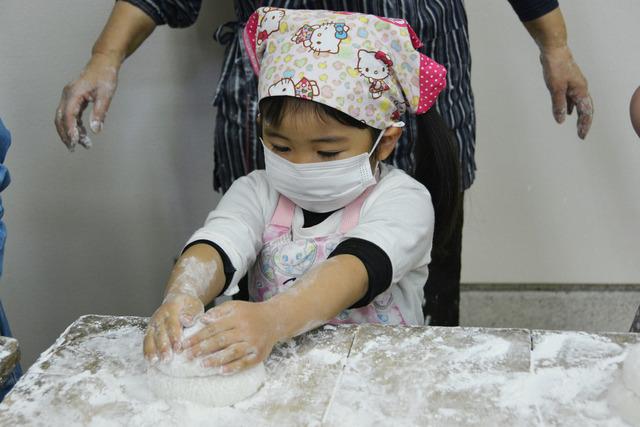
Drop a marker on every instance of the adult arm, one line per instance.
(567, 85)
(129, 25)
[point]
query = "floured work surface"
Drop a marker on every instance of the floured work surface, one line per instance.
(9, 357)
(347, 376)
(95, 375)
(478, 377)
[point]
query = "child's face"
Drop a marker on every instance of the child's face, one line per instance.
(304, 138)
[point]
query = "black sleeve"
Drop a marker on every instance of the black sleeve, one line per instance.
(175, 13)
(226, 262)
(375, 260)
(528, 10)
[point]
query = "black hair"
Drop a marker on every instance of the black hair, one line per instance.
(436, 156)
(274, 108)
(437, 167)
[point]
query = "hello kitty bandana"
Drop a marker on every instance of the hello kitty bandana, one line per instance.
(366, 66)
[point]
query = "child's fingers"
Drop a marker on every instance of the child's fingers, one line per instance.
(149, 346)
(174, 332)
(215, 343)
(240, 364)
(207, 332)
(230, 354)
(218, 313)
(191, 311)
(162, 342)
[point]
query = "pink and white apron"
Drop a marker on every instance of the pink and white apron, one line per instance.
(285, 258)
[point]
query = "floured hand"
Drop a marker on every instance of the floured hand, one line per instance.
(236, 336)
(97, 84)
(567, 86)
(164, 332)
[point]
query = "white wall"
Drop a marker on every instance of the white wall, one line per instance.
(96, 231)
(547, 207)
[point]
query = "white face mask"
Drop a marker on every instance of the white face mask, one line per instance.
(323, 186)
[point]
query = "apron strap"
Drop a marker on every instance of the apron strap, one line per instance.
(283, 215)
(351, 214)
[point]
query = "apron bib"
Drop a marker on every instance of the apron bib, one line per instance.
(285, 257)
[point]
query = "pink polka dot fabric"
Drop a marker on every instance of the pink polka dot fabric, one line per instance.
(363, 65)
(433, 79)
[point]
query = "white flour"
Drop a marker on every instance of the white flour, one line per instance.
(432, 376)
(624, 392)
(195, 277)
(563, 383)
(112, 388)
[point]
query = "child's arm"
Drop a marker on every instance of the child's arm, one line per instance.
(196, 279)
(242, 334)
(203, 270)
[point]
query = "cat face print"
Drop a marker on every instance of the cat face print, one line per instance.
(270, 23)
(271, 20)
(373, 65)
(324, 37)
(283, 87)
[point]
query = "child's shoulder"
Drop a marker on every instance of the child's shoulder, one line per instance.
(255, 181)
(254, 186)
(397, 193)
(394, 180)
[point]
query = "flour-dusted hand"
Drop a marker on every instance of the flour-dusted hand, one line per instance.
(568, 87)
(237, 335)
(127, 28)
(96, 84)
(563, 77)
(164, 332)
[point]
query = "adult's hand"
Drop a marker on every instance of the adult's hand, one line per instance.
(96, 84)
(567, 85)
(127, 28)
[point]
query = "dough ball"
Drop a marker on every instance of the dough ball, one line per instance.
(182, 379)
(179, 365)
(212, 390)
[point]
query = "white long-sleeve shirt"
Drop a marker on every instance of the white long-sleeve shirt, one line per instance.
(397, 216)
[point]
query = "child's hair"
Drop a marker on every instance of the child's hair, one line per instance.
(436, 155)
(274, 108)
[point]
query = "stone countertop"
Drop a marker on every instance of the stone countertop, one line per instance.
(362, 375)
(9, 357)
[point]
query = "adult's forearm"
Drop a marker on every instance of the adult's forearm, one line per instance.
(124, 32)
(548, 31)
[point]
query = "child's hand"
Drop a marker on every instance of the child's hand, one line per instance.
(237, 335)
(164, 331)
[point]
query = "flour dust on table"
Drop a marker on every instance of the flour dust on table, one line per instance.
(624, 392)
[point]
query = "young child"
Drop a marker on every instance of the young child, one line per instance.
(327, 232)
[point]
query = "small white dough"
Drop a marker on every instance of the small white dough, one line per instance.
(624, 392)
(184, 379)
